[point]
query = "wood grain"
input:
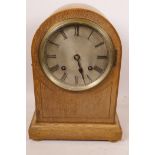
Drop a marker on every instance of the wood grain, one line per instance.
(75, 131)
(76, 107)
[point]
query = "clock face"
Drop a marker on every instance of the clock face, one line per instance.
(76, 55)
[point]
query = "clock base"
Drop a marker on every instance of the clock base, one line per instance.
(75, 131)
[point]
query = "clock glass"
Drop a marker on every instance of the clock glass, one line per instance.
(76, 54)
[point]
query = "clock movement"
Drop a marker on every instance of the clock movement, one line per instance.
(76, 59)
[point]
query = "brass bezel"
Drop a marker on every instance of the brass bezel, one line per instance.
(87, 22)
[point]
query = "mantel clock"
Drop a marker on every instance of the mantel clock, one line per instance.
(76, 59)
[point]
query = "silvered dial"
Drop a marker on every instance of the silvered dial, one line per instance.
(76, 55)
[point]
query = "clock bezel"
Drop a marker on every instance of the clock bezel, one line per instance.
(86, 22)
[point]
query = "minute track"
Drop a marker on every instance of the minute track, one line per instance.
(76, 55)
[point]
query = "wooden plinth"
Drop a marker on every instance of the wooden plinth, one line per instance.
(75, 131)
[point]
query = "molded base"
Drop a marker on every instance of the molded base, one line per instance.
(75, 131)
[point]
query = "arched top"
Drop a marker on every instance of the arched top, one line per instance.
(79, 13)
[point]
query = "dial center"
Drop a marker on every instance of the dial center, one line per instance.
(77, 57)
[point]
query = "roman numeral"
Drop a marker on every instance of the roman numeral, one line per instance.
(51, 56)
(53, 43)
(99, 44)
(90, 34)
(101, 57)
(64, 76)
(54, 68)
(76, 80)
(76, 30)
(98, 69)
(89, 78)
(63, 34)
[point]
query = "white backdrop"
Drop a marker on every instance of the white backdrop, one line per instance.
(117, 13)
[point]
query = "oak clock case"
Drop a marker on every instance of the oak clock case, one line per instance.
(76, 58)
